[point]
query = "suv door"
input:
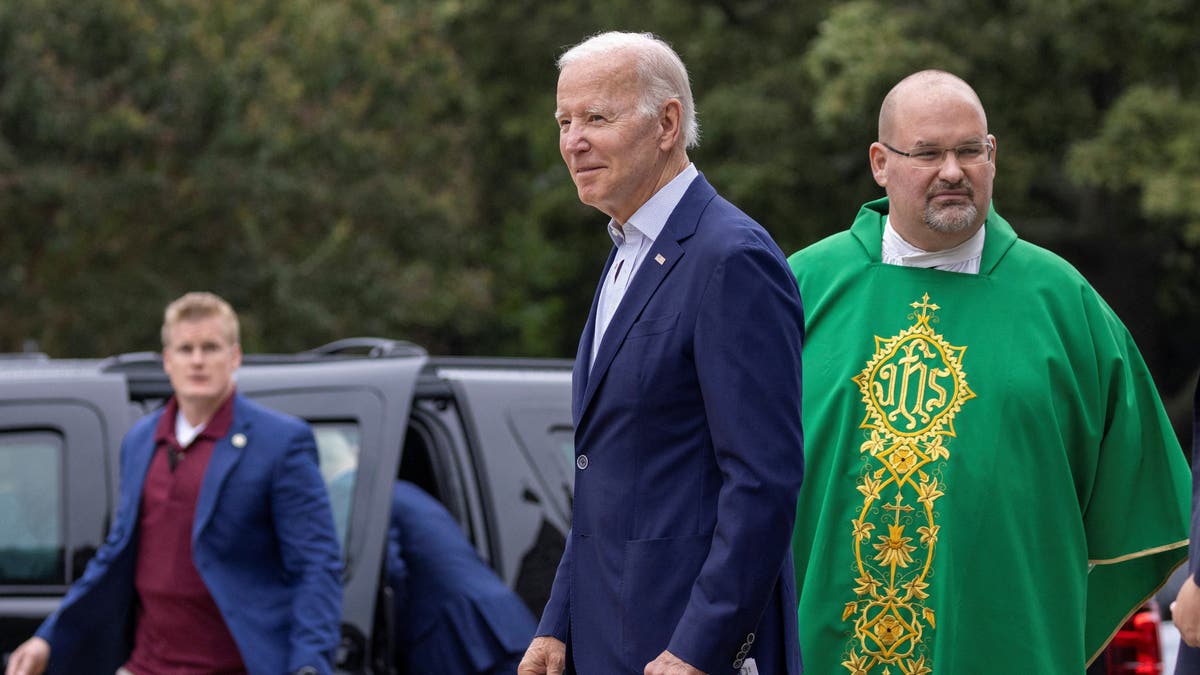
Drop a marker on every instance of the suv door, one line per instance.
(358, 409)
(60, 436)
(520, 436)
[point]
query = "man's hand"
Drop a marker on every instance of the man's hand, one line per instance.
(30, 658)
(545, 656)
(1185, 612)
(669, 664)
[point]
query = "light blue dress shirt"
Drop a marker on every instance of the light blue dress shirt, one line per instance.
(633, 241)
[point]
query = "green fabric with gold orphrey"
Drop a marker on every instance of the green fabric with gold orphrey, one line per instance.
(972, 442)
(912, 388)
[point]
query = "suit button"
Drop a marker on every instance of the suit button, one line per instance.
(581, 462)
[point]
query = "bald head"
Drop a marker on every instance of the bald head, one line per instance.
(926, 87)
(935, 158)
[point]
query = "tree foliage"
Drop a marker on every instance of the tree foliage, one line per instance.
(390, 167)
(289, 155)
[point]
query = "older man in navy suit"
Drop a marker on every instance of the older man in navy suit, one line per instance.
(223, 558)
(686, 398)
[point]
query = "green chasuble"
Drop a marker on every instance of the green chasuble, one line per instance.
(974, 445)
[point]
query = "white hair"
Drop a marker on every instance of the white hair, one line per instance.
(659, 69)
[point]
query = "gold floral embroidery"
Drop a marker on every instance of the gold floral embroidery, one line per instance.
(894, 549)
(856, 664)
(862, 530)
(928, 493)
(903, 459)
(869, 488)
(874, 444)
(915, 667)
(912, 388)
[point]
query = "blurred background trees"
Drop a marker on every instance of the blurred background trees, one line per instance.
(391, 167)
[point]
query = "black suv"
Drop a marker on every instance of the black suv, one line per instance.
(490, 438)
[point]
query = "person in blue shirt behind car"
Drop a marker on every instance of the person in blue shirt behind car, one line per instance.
(452, 613)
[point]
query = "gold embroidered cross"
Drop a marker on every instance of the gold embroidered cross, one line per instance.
(900, 506)
(924, 306)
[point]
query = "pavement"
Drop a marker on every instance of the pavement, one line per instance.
(1168, 637)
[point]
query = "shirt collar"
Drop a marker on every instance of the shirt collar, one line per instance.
(651, 217)
(216, 427)
(898, 251)
(868, 230)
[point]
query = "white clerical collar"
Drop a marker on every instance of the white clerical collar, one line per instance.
(962, 258)
(184, 432)
(651, 217)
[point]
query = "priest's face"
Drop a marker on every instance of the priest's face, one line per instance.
(939, 207)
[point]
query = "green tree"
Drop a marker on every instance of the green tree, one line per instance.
(1097, 140)
(304, 159)
(390, 167)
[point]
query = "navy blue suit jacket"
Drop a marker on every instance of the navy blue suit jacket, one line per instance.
(453, 614)
(263, 541)
(689, 457)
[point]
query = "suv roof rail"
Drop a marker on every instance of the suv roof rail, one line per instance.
(143, 372)
(24, 356)
(506, 362)
(372, 347)
(132, 361)
(149, 364)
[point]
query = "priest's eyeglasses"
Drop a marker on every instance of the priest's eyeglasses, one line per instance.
(932, 156)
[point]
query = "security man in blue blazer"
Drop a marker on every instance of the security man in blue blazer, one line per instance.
(688, 454)
(223, 557)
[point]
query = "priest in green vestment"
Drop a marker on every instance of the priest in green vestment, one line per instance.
(991, 483)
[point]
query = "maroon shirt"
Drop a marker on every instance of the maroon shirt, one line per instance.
(179, 630)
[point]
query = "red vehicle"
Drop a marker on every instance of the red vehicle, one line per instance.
(1136, 648)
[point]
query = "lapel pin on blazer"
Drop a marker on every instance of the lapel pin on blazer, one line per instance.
(238, 440)
(658, 258)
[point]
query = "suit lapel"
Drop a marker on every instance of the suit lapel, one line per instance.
(224, 457)
(644, 284)
(583, 358)
(142, 450)
(660, 260)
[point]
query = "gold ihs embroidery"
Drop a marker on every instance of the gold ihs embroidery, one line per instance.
(912, 389)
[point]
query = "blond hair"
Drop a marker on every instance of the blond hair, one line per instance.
(199, 305)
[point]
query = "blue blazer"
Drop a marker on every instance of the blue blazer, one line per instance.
(453, 614)
(263, 541)
(689, 457)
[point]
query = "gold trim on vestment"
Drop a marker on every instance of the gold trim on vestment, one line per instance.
(1139, 604)
(912, 387)
(1140, 554)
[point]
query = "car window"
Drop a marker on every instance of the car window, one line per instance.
(31, 537)
(546, 438)
(338, 445)
(562, 436)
